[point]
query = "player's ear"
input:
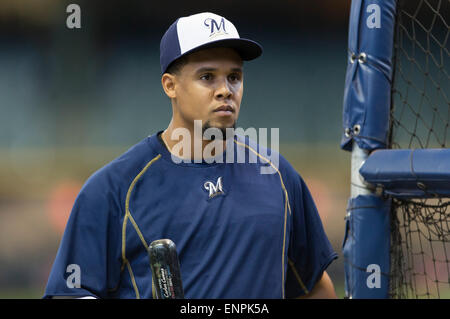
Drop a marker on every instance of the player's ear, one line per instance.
(168, 84)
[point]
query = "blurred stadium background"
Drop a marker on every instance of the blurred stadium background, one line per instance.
(71, 100)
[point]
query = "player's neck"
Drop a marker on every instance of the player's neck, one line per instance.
(188, 143)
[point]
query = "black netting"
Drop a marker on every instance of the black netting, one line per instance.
(420, 249)
(420, 116)
(421, 87)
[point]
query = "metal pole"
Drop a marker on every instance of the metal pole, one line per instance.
(358, 185)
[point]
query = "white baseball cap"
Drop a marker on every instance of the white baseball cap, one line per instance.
(201, 31)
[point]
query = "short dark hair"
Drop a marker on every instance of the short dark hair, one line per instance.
(176, 66)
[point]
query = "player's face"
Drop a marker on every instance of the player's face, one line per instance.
(209, 88)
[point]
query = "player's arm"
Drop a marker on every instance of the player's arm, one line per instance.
(324, 289)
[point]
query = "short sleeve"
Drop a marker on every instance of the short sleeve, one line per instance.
(310, 251)
(88, 259)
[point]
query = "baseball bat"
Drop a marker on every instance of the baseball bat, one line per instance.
(165, 269)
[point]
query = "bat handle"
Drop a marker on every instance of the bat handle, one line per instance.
(165, 267)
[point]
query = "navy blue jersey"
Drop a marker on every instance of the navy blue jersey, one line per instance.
(239, 233)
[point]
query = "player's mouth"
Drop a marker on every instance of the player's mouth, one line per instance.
(224, 110)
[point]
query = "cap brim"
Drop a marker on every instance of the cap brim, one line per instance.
(247, 49)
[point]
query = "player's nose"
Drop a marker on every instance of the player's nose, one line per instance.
(223, 90)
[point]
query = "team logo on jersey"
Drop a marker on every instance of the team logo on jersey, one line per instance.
(216, 28)
(214, 189)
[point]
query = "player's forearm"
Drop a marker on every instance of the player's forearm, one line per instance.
(324, 289)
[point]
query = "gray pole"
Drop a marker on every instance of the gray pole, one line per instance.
(358, 185)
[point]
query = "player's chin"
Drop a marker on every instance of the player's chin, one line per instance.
(224, 122)
(223, 125)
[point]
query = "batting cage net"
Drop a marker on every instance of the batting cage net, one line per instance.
(419, 119)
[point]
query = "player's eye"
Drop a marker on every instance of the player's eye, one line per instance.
(206, 77)
(234, 77)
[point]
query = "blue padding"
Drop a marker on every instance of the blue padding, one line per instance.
(366, 242)
(409, 173)
(367, 92)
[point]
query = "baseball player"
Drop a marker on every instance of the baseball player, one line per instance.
(239, 233)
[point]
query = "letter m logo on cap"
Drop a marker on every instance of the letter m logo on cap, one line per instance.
(220, 27)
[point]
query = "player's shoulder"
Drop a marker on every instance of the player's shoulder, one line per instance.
(290, 177)
(119, 172)
(266, 154)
